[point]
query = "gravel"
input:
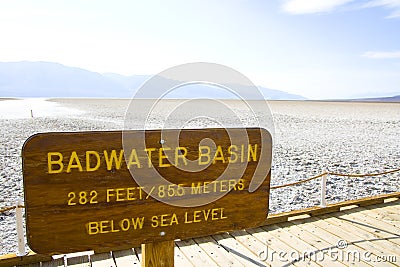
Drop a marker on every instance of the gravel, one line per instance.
(310, 138)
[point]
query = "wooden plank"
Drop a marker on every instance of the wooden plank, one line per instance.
(293, 241)
(54, 263)
(328, 237)
(384, 244)
(322, 245)
(284, 216)
(386, 216)
(238, 250)
(349, 237)
(217, 252)
(158, 254)
(371, 202)
(12, 259)
(387, 204)
(33, 265)
(328, 209)
(305, 242)
(382, 214)
(126, 258)
(255, 245)
(81, 261)
(112, 190)
(180, 259)
(102, 260)
(194, 253)
(282, 249)
(248, 240)
(392, 237)
(380, 225)
(393, 208)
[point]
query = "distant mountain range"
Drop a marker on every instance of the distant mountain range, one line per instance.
(46, 79)
(380, 99)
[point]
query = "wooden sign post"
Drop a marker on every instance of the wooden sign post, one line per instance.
(158, 254)
(113, 190)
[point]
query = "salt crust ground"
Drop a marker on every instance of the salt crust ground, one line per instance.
(310, 137)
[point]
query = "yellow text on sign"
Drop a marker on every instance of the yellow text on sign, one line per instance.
(91, 160)
(162, 220)
(138, 193)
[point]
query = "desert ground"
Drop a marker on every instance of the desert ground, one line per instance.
(310, 137)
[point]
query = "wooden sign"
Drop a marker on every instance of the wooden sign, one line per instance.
(112, 190)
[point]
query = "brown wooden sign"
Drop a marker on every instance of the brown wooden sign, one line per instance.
(113, 190)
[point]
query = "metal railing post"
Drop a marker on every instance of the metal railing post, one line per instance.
(20, 229)
(323, 191)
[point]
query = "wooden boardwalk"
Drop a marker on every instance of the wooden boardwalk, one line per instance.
(353, 236)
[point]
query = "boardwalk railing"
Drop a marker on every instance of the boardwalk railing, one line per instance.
(19, 206)
(324, 176)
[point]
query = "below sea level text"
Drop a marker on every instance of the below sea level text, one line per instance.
(162, 220)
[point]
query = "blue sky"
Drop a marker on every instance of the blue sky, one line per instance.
(315, 48)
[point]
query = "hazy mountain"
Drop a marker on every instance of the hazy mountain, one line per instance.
(128, 82)
(380, 99)
(46, 79)
(191, 91)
